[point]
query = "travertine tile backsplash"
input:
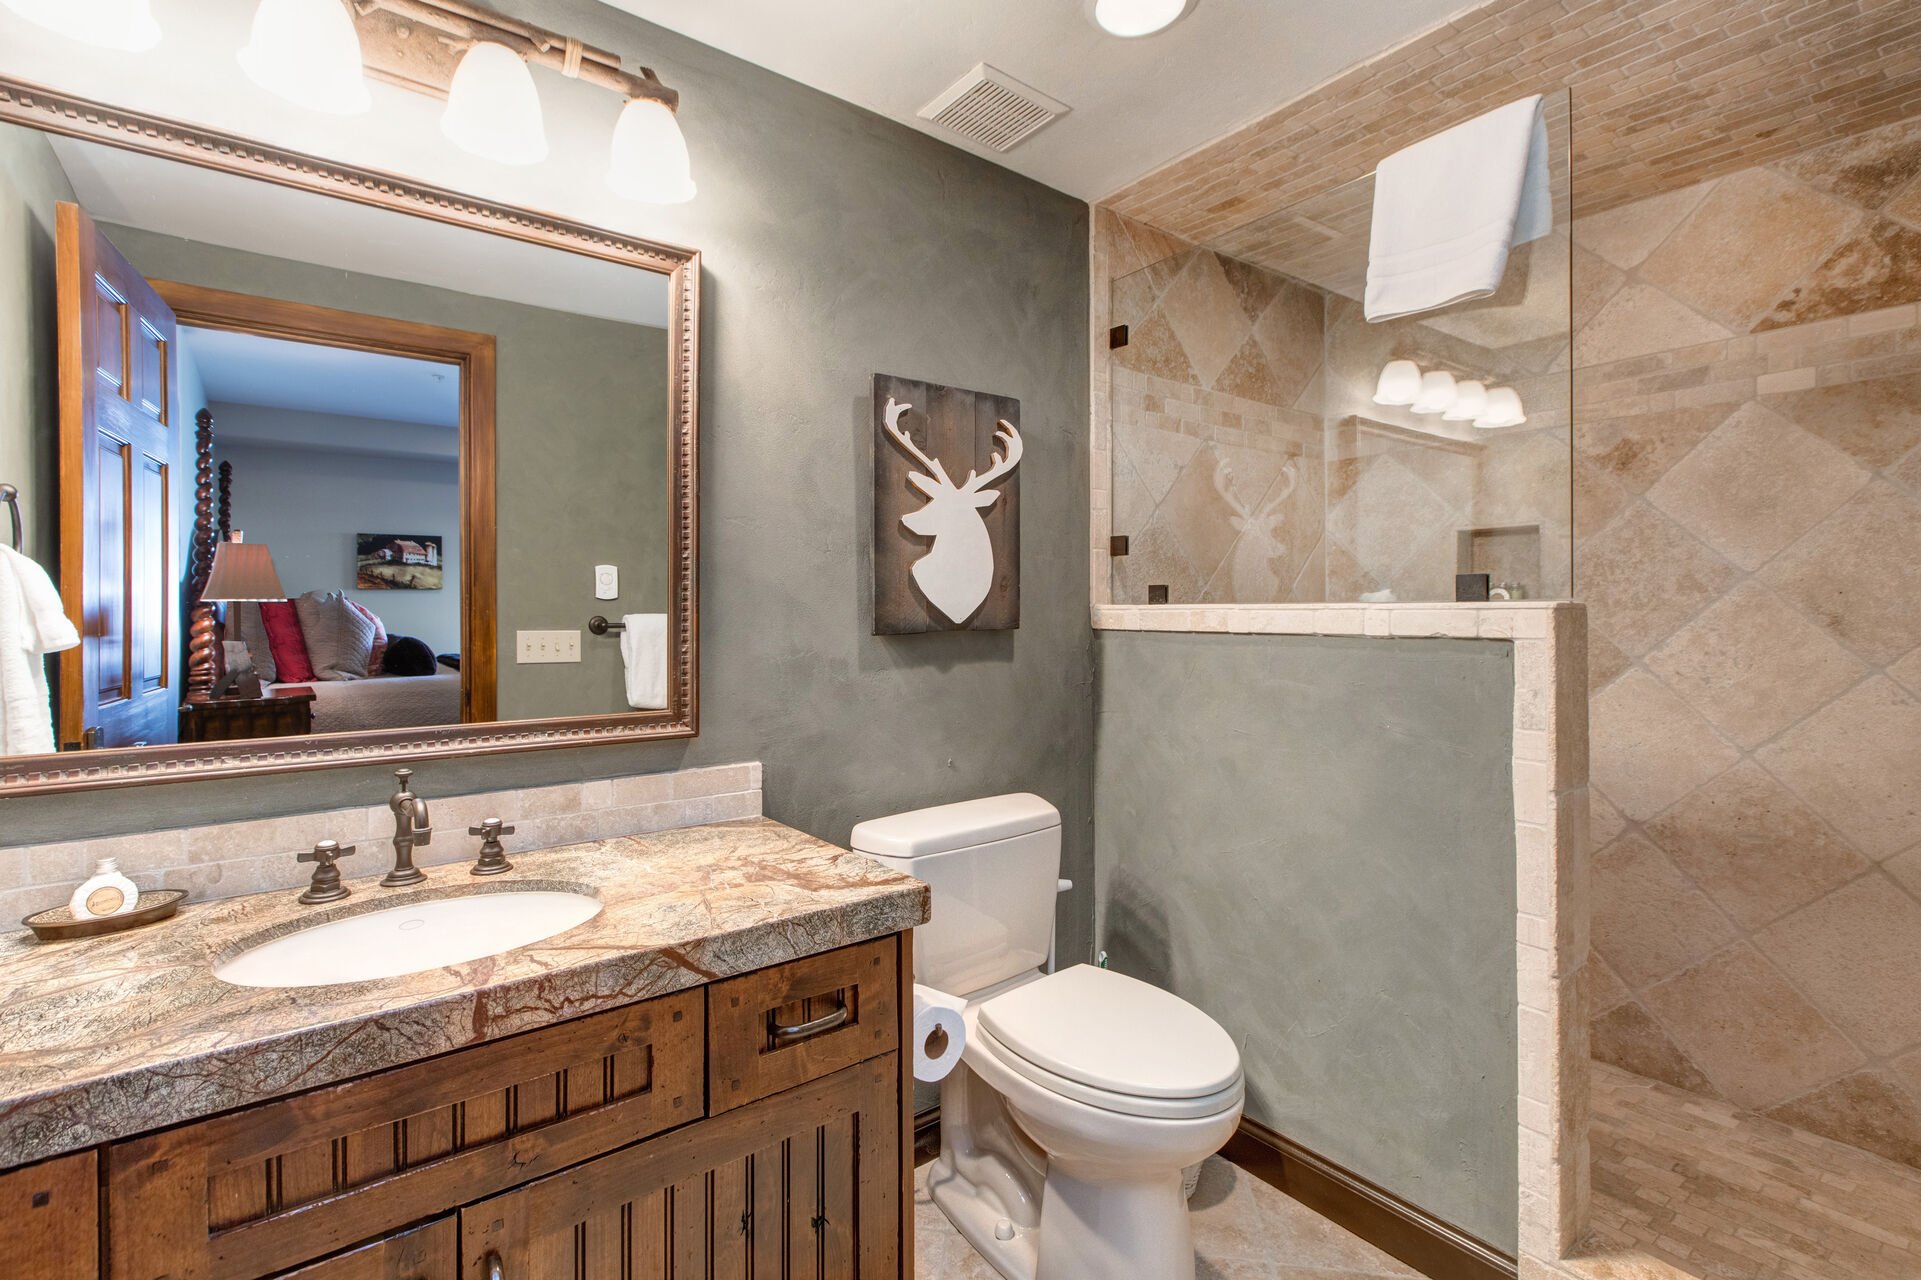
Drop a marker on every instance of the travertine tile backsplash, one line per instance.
(234, 858)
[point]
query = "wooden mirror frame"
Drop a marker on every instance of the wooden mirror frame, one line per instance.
(52, 111)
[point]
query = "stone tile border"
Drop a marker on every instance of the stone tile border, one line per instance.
(1551, 859)
(226, 860)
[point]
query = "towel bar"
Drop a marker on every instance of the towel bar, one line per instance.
(11, 496)
(600, 626)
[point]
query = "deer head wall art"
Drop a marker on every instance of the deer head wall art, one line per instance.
(946, 551)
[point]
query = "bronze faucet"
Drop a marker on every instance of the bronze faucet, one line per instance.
(411, 829)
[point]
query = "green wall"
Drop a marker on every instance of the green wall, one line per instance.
(31, 184)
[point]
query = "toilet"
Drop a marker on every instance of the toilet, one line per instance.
(1081, 1095)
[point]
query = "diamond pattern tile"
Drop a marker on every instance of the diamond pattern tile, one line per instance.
(1857, 762)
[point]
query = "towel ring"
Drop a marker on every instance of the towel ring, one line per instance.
(11, 496)
(600, 626)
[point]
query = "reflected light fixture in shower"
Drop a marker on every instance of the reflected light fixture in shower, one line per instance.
(650, 155)
(1470, 402)
(1437, 392)
(1503, 409)
(126, 25)
(493, 108)
(307, 52)
(1131, 19)
(1400, 383)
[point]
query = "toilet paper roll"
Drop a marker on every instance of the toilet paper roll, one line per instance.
(939, 1033)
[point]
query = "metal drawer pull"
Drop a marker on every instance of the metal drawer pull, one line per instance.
(490, 1266)
(809, 1029)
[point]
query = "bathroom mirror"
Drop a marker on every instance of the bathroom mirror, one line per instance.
(326, 467)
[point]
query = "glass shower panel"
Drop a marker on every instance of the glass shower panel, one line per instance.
(1252, 463)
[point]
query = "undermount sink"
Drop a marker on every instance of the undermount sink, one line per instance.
(408, 939)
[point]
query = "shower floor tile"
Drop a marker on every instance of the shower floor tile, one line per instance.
(1687, 1186)
(1243, 1230)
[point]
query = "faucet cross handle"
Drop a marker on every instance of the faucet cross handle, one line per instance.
(493, 858)
(326, 886)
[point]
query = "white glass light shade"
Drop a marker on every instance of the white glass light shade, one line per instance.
(649, 159)
(1400, 383)
(106, 24)
(307, 52)
(1131, 18)
(1470, 402)
(1503, 409)
(1437, 392)
(493, 109)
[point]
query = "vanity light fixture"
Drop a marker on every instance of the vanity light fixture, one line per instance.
(1470, 402)
(1503, 409)
(650, 160)
(307, 52)
(1131, 19)
(493, 109)
(126, 25)
(1437, 392)
(1400, 383)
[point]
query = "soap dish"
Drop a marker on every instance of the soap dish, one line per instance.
(57, 924)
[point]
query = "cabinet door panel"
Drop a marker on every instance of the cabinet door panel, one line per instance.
(805, 1185)
(260, 1190)
(427, 1252)
(50, 1219)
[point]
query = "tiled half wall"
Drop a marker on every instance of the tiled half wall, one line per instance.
(234, 858)
(1748, 492)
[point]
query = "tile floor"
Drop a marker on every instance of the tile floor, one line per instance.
(1685, 1186)
(1243, 1230)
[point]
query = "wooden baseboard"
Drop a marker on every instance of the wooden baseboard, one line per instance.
(1371, 1212)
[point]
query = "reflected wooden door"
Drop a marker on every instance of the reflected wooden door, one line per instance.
(118, 442)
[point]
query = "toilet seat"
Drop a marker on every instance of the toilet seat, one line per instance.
(1114, 1042)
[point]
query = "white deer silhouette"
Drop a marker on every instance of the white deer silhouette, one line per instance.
(1260, 544)
(958, 570)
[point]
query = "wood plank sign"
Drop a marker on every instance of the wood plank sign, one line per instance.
(946, 550)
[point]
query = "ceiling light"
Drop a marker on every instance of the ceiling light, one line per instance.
(493, 109)
(1131, 18)
(1400, 383)
(650, 155)
(1437, 392)
(1470, 402)
(106, 24)
(1503, 409)
(307, 52)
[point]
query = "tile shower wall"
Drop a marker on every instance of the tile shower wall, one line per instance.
(1748, 472)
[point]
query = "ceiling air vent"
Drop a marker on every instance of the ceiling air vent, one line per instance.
(989, 107)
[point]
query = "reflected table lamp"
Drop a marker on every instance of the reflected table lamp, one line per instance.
(242, 572)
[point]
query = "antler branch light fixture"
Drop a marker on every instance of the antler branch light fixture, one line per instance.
(318, 55)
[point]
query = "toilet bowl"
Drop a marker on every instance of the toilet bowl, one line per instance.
(1081, 1095)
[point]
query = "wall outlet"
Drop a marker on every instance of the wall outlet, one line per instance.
(546, 646)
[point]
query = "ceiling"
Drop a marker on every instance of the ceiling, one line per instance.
(277, 373)
(1137, 104)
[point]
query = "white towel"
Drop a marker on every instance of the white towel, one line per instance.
(1448, 209)
(643, 647)
(32, 625)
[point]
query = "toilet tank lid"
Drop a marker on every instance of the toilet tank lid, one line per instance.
(945, 827)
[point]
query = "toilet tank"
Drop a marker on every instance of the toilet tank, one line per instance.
(994, 867)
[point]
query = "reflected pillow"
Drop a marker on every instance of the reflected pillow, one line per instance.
(340, 638)
(379, 654)
(409, 656)
(284, 641)
(244, 624)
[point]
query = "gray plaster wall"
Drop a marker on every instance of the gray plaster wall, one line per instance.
(835, 243)
(1313, 840)
(31, 184)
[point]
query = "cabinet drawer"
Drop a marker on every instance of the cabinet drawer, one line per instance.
(50, 1219)
(430, 1251)
(779, 1027)
(261, 1190)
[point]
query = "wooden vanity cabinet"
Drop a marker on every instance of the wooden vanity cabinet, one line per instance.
(757, 1127)
(50, 1217)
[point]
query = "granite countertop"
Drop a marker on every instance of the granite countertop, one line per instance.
(101, 1038)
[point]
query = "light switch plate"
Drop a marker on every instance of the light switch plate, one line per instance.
(547, 646)
(606, 582)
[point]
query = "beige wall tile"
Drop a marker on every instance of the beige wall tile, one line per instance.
(1644, 576)
(1639, 320)
(1748, 1030)
(1879, 266)
(1649, 922)
(1649, 748)
(1625, 236)
(1868, 169)
(1628, 1037)
(1859, 573)
(1865, 1110)
(1857, 955)
(1856, 762)
(1876, 422)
